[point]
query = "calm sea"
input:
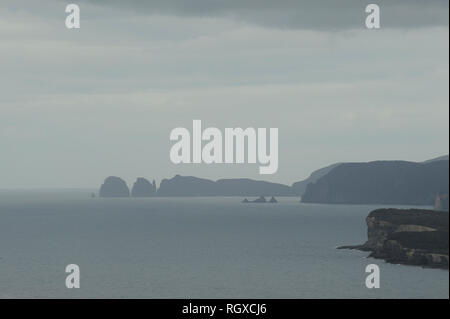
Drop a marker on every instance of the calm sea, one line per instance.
(192, 248)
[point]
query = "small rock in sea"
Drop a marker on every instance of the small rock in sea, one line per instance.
(260, 199)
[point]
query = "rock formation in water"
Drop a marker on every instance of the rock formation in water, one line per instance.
(260, 199)
(194, 186)
(381, 182)
(408, 236)
(441, 202)
(114, 187)
(143, 188)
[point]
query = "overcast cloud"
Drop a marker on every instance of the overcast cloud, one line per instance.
(299, 14)
(79, 105)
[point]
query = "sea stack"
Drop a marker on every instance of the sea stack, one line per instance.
(143, 188)
(114, 186)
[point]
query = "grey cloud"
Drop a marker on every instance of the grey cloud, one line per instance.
(77, 106)
(297, 14)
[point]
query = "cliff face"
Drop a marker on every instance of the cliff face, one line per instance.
(382, 182)
(298, 188)
(114, 187)
(408, 236)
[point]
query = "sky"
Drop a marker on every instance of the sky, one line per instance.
(79, 105)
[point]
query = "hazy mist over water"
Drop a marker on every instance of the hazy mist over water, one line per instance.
(193, 248)
(87, 113)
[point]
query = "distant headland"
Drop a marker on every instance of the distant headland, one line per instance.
(379, 182)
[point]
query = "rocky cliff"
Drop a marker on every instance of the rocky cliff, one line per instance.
(114, 187)
(408, 236)
(143, 188)
(381, 182)
(299, 188)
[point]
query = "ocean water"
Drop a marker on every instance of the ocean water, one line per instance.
(192, 248)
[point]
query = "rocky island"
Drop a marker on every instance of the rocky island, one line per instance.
(261, 199)
(407, 236)
(143, 188)
(114, 186)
